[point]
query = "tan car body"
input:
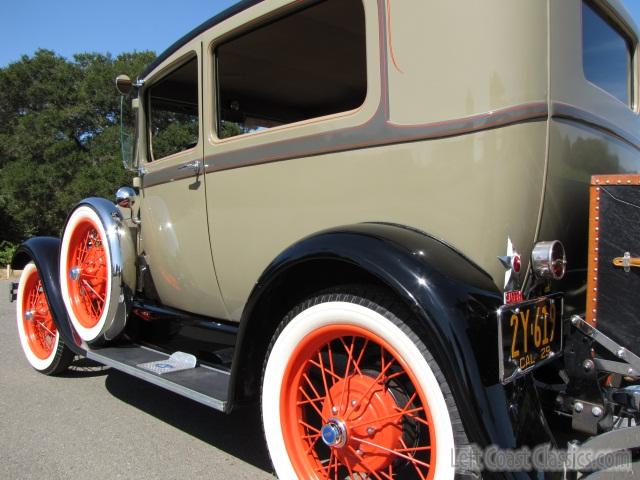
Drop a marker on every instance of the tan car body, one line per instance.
(478, 126)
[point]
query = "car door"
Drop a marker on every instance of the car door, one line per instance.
(274, 100)
(175, 233)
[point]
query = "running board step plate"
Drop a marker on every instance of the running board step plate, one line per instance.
(203, 384)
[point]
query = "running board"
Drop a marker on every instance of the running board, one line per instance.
(203, 384)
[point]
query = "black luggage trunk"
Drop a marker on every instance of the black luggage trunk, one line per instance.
(613, 292)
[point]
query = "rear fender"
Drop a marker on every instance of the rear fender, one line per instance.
(453, 299)
(44, 252)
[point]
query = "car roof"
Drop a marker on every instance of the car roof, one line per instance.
(616, 5)
(222, 16)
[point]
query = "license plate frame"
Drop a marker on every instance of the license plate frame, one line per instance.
(520, 352)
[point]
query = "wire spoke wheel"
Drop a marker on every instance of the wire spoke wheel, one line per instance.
(37, 321)
(87, 267)
(39, 336)
(353, 408)
(348, 395)
(86, 274)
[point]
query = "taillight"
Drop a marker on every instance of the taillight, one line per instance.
(516, 264)
(548, 260)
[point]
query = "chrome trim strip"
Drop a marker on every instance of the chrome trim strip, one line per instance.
(565, 111)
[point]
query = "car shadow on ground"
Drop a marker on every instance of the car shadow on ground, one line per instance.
(239, 434)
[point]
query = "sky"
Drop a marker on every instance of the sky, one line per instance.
(115, 26)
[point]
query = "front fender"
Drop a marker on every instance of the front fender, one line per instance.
(455, 302)
(45, 252)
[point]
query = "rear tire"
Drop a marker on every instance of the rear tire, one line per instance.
(349, 388)
(39, 336)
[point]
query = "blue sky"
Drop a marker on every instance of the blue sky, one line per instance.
(115, 26)
(73, 26)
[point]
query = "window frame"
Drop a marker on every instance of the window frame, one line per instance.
(184, 58)
(613, 21)
(274, 16)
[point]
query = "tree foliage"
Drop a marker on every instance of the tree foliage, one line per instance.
(59, 137)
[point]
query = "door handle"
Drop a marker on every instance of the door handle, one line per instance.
(195, 166)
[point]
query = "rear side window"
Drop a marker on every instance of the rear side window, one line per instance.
(606, 55)
(308, 64)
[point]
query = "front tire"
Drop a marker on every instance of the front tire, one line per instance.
(350, 391)
(85, 273)
(39, 336)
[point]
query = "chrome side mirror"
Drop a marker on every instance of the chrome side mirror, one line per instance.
(126, 197)
(123, 84)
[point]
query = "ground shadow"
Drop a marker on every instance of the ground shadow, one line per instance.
(239, 434)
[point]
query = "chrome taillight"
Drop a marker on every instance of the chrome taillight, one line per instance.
(548, 260)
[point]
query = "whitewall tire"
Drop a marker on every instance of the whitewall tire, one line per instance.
(39, 336)
(349, 388)
(85, 273)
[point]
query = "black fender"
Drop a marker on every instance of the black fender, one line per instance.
(455, 302)
(45, 253)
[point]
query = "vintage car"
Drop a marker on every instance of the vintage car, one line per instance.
(355, 212)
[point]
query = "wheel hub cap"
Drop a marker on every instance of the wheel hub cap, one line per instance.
(369, 413)
(74, 273)
(334, 433)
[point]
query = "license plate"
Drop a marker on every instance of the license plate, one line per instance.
(529, 334)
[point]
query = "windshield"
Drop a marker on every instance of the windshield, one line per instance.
(128, 120)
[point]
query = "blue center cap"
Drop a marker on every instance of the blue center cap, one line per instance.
(334, 433)
(330, 434)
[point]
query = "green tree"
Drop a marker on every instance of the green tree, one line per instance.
(59, 137)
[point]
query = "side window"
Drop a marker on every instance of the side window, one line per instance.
(173, 111)
(606, 55)
(308, 64)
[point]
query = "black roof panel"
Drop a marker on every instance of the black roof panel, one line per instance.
(222, 16)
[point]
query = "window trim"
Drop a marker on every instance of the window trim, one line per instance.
(273, 17)
(158, 77)
(610, 17)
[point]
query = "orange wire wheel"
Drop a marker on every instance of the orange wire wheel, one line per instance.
(88, 272)
(350, 402)
(40, 330)
(85, 273)
(39, 336)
